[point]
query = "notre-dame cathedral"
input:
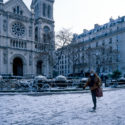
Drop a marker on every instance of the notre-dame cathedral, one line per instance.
(27, 40)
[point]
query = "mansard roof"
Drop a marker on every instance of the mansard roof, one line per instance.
(97, 27)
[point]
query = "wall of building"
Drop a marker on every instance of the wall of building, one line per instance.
(23, 46)
(100, 49)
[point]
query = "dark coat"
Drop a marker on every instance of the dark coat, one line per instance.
(97, 83)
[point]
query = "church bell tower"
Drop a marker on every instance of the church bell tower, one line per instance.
(43, 8)
(44, 32)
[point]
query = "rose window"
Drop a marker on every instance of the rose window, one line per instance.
(18, 29)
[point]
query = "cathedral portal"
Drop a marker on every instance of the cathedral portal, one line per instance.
(39, 67)
(17, 67)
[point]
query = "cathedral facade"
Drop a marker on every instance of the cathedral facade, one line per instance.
(26, 38)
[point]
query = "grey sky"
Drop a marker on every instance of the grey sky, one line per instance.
(83, 14)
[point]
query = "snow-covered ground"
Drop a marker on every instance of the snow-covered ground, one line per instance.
(64, 109)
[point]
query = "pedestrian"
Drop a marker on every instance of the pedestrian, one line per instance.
(93, 82)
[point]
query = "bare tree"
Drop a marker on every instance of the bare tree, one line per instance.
(63, 40)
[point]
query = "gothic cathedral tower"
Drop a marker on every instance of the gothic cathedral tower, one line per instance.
(44, 35)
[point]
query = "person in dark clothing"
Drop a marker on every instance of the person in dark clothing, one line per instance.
(93, 82)
(93, 92)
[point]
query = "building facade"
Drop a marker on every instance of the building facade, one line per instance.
(100, 49)
(62, 62)
(26, 38)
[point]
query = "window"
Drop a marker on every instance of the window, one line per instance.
(110, 41)
(21, 12)
(35, 46)
(103, 43)
(25, 45)
(110, 30)
(18, 29)
(44, 38)
(110, 60)
(13, 43)
(46, 29)
(17, 10)
(103, 51)
(103, 69)
(5, 56)
(46, 35)
(22, 44)
(5, 25)
(30, 31)
(110, 49)
(14, 10)
(36, 9)
(97, 44)
(36, 34)
(44, 9)
(18, 44)
(49, 11)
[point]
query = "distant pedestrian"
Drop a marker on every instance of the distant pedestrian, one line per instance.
(93, 82)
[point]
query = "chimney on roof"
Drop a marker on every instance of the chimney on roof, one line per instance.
(96, 26)
(85, 30)
(111, 19)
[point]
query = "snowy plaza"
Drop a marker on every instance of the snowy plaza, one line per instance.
(62, 109)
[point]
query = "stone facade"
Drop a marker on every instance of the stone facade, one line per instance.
(100, 49)
(26, 38)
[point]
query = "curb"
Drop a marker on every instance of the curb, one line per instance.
(53, 93)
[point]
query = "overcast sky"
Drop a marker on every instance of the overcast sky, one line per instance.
(83, 14)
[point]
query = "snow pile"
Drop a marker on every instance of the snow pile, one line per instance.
(40, 78)
(61, 78)
(67, 109)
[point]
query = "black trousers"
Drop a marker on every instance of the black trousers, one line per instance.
(93, 92)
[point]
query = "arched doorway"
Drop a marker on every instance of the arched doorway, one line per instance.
(39, 67)
(17, 67)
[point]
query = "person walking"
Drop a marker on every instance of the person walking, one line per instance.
(93, 82)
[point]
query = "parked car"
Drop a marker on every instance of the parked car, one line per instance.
(121, 81)
(61, 78)
(39, 81)
(40, 78)
(61, 81)
(83, 82)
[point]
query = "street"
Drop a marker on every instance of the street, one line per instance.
(63, 109)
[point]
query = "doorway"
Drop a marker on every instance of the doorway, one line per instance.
(17, 67)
